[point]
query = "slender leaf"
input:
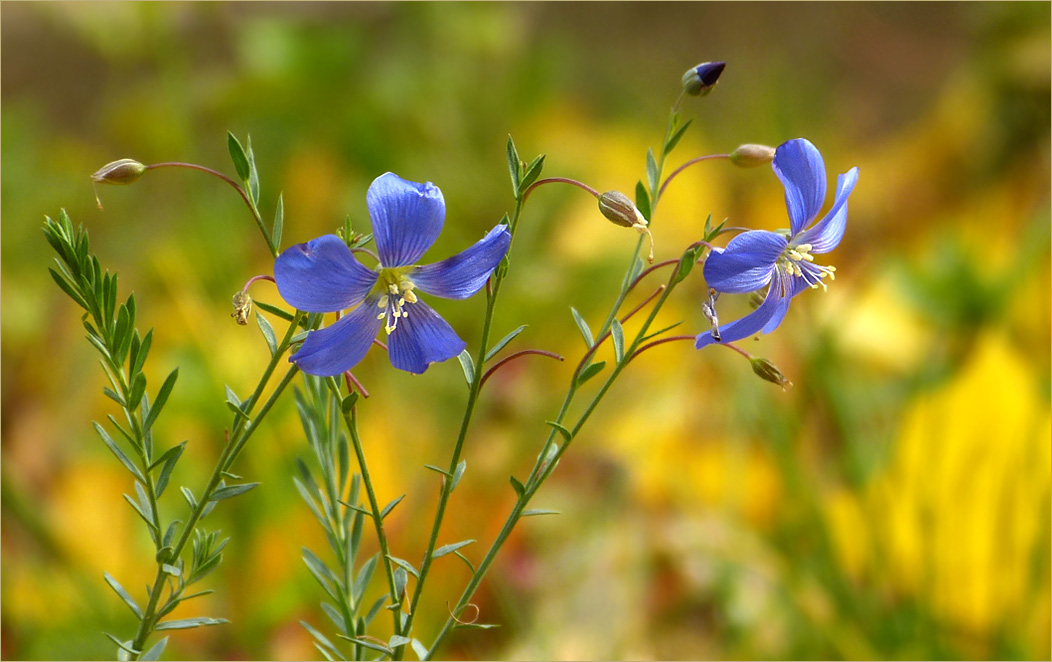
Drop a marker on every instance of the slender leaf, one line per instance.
(503, 342)
(390, 506)
(642, 200)
(519, 489)
(514, 164)
(268, 333)
(652, 172)
(449, 549)
(618, 335)
(675, 138)
(458, 474)
(533, 512)
(279, 221)
(405, 564)
(187, 623)
(237, 155)
(119, 590)
(124, 459)
(154, 653)
(397, 640)
(586, 333)
(124, 646)
(419, 649)
(533, 171)
(561, 429)
(438, 470)
(171, 456)
(231, 491)
(590, 371)
(468, 364)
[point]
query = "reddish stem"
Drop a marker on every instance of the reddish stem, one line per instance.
(516, 355)
(357, 384)
(255, 278)
(686, 165)
(564, 180)
(659, 290)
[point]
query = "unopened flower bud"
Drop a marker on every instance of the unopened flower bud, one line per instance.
(699, 81)
(619, 210)
(750, 156)
(767, 371)
(124, 171)
(242, 308)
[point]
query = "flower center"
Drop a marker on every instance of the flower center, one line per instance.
(798, 261)
(397, 293)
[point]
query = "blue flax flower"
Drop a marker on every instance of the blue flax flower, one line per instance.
(323, 276)
(784, 261)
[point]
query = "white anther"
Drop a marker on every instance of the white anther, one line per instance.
(401, 302)
(382, 303)
(410, 297)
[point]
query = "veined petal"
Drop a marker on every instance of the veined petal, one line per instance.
(746, 264)
(803, 173)
(422, 338)
(826, 234)
(334, 349)
(749, 325)
(462, 275)
(407, 218)
(322, 276)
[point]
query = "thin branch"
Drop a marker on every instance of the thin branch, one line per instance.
(516, 355)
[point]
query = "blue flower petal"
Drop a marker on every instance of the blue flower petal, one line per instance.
(407, 218)
(322, 276)
(789, 286)
(749, 325)
(825, 235)
(462, 275)
(746, 264)
(803, 173)
(422, 338)
(334, 349)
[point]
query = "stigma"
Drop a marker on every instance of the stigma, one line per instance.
(398, 295)
(798, 261)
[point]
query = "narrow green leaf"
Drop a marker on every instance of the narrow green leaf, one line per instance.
(503, 342)
(438, 470)
(519, 489)
(189, 496)
(253, 174)
(397, 640)
(231, 491)
(468, 365)
(449, 549)
(586, 333)
(375, 609)
(465, 560)
(124, 646)
(279, 221)
(348, 403)
(335, 616)
(659, 332)
(373, 645)
(321, 572)
(514, 164)
(419, 649)
(533, 512)
(155, 651)
(144, 500)
(124, 459)
(458, 474)
(561, 429)
(227, 474)
(686, 263)
(319, 636)
(590, 371)
(119, 590)
(237, 155)
(69, 289)
(390, 506)
(171, 569)
(361, 581)
(405, 564)
(533, 171)
(268, 333)
(138, 390)
(160, 400)
(642, 200)
(676, 135)
(652, 171)
(476, 626)
(273, 310)
(232, 398)
(140, 356)
(401, 579)
(139, 510)
(187, 623)
(172, 456)
(618, 335)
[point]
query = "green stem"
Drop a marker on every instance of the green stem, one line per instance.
(350, 419)
(469, 410)
(239, 438)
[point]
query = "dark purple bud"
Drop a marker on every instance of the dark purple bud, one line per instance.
(699, 81)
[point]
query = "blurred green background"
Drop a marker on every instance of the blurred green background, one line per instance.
(894, 504)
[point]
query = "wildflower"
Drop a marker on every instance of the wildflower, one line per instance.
(323, 276)
(698, 81)
(782, 260)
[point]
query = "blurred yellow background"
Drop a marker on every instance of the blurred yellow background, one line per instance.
(894, 504)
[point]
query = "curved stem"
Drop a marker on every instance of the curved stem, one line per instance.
(686, 165)
(561, 180)
(237, 187)
(525, 352)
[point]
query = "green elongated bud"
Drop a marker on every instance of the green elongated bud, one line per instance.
(768, 371)
(750, 156)
(124, 171)
(242, 308)
(699, 81)
(620, 210)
